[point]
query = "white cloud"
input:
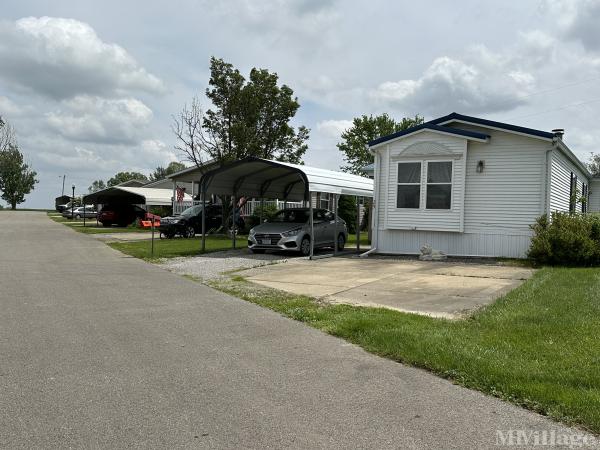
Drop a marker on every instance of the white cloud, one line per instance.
(62, 58)
(95, 119)
(333, 129)
(481, 85)
(8, 108)
(578, 20)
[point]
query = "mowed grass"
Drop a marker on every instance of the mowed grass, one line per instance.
(91, 227)
(171, 248)
(539, 346)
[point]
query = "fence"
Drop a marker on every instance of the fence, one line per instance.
(247, 210)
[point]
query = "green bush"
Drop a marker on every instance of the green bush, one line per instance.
(347, 211)
(567, 239)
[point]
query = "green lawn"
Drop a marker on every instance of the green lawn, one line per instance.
(171, 248)
(91, 227)
(539, 346)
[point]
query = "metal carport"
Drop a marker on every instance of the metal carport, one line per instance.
(262, 178)
(133, 195)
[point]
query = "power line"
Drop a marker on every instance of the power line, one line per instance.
(567, 106)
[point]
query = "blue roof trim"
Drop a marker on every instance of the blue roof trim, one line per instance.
(504, 126)
(430, 126)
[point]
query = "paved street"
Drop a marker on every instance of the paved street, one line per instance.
(102, 350)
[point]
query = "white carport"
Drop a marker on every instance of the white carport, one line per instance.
(133, 195)
(262, 178)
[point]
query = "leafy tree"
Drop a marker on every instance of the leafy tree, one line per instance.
(365, 129)
(163, 172)
(121, 177)
(247, 118)
(97, 185)
(594, 164)
(16, 177)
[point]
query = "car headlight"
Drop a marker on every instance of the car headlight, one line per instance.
(252, 231)
(291, 233)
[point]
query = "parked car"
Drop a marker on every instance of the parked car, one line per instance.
(290, 230)
(121, 214)
(79, 212)
(189, 222)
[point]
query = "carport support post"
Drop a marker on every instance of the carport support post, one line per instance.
(357, 224)
(203, 200)
(233, 218)
(335, 219)
(312, 225)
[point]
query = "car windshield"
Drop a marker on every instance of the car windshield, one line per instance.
(291, 216)
(192, 211)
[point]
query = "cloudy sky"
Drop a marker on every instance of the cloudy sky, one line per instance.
(91, 86)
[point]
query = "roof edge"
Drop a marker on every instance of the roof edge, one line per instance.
(432, 127)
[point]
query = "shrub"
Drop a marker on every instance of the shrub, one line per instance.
(567, 239)
(347, 211)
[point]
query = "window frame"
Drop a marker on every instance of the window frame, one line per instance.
(451, 183)
(420, 183)
(573, 193)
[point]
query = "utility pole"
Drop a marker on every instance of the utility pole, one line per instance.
(63, 188)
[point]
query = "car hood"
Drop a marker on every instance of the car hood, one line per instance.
(276, 227)
(172, 218)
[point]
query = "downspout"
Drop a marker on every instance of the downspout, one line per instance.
(375, 210)
(549, 178)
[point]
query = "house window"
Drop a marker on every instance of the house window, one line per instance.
(573, 193)
(439, 185)
(409, 185)
(324, 200)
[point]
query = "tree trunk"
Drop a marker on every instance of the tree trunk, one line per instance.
(13, 205)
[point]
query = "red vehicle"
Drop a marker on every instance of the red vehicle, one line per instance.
(120, 214)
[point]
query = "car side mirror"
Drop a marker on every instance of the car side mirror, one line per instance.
(265, 220)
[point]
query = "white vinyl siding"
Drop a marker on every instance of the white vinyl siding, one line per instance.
(508, 195)
(405, 242)
(561, 183)
(391, 217)
(594, 205)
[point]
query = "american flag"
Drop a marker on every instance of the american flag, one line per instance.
(180, 192)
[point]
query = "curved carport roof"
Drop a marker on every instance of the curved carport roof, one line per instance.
(263, 178)
(133, 195)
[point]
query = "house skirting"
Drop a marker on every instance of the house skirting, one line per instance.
(409, 242)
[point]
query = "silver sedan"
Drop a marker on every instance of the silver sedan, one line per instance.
(290, 230)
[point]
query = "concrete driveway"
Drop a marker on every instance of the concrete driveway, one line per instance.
(438, 289)
(101, 350)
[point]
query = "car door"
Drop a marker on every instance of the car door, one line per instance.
(321, 226)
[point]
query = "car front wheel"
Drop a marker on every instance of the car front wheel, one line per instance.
(341, 242)
(305, 246)
(189, 232)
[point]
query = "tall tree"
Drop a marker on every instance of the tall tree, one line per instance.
(16, 177)
(594, 164)
(163, 172)
(7, 135)
(365, 129)
(247, 118)
(97, 185)
(121, 177)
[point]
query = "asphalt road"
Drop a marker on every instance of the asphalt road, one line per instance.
(99, 350)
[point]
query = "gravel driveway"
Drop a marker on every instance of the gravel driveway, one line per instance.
(212, 265)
